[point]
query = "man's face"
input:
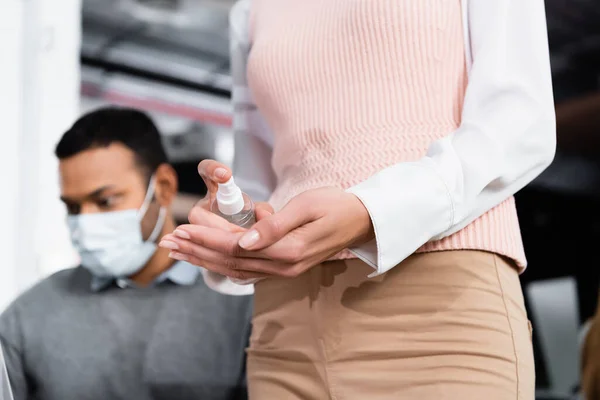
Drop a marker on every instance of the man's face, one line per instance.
(105, 179)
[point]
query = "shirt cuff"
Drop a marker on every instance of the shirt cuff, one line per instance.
(222, 284)
(409, 204)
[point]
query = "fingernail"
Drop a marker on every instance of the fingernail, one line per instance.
(167, 244)
(249, 239)
(220, 172)
(177, 256)
(182, 234)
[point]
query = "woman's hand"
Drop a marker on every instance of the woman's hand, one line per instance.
(313, 227)
(213, 173)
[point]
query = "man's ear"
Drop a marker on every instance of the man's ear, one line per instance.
(166, 185)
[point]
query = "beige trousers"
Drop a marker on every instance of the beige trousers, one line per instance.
(447, 325)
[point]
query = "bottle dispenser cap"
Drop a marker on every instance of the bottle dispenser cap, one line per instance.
(229, 198)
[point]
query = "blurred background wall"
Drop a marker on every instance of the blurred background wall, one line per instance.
(39, 98)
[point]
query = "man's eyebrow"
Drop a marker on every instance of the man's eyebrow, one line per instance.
(91, 195)
(99, 191)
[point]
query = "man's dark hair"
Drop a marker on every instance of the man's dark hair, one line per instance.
(132, 128)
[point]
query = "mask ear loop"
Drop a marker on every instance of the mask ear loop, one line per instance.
(148, 199)
(160, 222)
(162, 214)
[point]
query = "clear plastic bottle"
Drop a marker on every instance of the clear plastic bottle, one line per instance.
(234, 205)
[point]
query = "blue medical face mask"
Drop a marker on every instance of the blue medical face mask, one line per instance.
(111, 244)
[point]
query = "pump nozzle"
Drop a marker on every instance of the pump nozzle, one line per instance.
(229, 198)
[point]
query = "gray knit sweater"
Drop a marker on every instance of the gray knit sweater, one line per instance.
(63, 341)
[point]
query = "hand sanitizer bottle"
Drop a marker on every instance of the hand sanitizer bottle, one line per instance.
(234, 205)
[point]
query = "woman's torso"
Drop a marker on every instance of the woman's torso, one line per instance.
(349, 88)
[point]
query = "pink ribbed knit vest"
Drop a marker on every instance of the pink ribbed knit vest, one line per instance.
(350, 87)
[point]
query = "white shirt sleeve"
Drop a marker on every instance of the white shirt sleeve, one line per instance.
(253, 139)
(506, 138)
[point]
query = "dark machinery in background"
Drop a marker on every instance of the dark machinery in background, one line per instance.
(169, 57)
(559, 211)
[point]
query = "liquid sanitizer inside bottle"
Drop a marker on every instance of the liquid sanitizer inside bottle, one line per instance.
(234, 205)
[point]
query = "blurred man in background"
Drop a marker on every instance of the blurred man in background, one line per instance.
(129, 323)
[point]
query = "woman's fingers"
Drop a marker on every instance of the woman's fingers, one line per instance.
(187, 249)
(271, 229)
(213, 173)
(299, 245)
(203, 217)
(219, 240)
(263, 210)
(223, 242)
(216, 267)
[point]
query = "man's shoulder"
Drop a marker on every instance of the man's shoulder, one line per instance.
(29, 312)
(50, 289)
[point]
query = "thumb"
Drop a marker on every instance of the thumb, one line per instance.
(271, 228)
